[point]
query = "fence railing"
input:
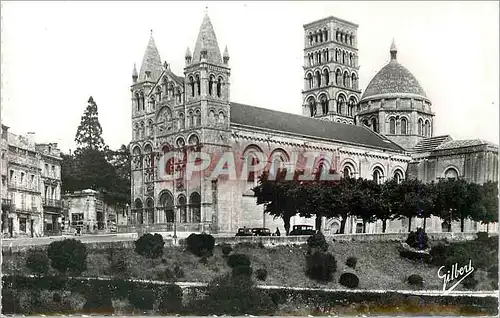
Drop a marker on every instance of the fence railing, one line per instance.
(52, 203)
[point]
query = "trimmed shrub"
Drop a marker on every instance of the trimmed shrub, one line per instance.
(242, 271)
(98, 302)
(482, 236)
(351, 262)
(226, 249)
(418, 239)
(37, 262)
(235, 260)
(142, 299)
(349, 280)
(415, 280)
(321, 266)
(68, 255)
(166, 275)
(261, 274)
(171, 300)
(317, 242)
(150, 246)
(200, 244)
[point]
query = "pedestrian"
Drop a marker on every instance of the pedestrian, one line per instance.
(278, 232)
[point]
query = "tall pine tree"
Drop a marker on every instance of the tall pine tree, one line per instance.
(89, 133)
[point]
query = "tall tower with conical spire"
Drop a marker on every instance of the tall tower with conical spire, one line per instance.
(207, 76)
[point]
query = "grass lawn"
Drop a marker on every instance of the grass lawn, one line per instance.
(379, 265)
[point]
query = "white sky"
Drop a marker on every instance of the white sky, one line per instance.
(56, 54)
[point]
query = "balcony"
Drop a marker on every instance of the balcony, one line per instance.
(52, 203)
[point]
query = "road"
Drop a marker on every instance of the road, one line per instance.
(84, 238)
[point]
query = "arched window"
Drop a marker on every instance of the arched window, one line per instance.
(340, 104)
(276, 166)
(326, 35)
(324, 104)
(219, 86)
(420, 127)
(166, 204)
(343, 57)
(326, 74)
(427, 128)
(150, 212)
(392, 126)
(451, 173)
(337, 55)
(311, 102)
(318, 79)
(346, 79)
(252, 159)
(222, 117)
(365, 122)
(310, 80)
(318, 56)
(191, 84)
(181, 203)
(180, 124)
(197, 118)
(404, 125)
(354, 81)
(137, 132)
(198, 88)
(150, 128)
(350, 39)
(374, 125)
(179, 95)
(138, 208)
(211, 117)
(211, 82)
(398, 176)
(322, 169)
(350, 107)
(348, 171)
(193, 140)
(195, 207)
(350, 59)
(338, 77)
(180, 142)
(311, 60)
(137, 102)
(142, 101)
(190, 119)
(141, 130)
(152, 103)
(378, 176)
(158, 93)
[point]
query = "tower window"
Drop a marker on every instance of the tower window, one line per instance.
(354, 81)
(198, 85)
(324, 104)
(392, 126)
(312, 106)
(420, 127)
(310, 81)
(374, 125)
(318, 79)
(326, 74)
(350, 108)
(138, 101)
(210, 85)
(346, 79)
(337, 77)
(340, 104)
(219, 86)
(191, 83)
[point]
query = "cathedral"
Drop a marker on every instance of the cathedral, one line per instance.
(382, 132)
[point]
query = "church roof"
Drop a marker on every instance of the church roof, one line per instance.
(453, 144)
(392, 81)
(431, 143)
(207, 40)
(305, 126)
(151, 62)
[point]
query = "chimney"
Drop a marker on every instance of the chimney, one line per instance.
(31, 137)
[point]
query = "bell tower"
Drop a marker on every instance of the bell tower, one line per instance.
(331, 69)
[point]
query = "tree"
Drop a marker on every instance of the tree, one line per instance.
(367, 201)
(88, 134)
(68, 255)
(119, 193)
(386, 200)
(69, 170)
(486, 208)
(278, 197)
(408, 193)
(454, 200)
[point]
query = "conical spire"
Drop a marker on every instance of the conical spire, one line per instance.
(394, 50)
(188, 53)
(151, 61)
(226, 53)
(207, 40)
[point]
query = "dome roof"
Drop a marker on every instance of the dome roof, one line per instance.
(393, 81)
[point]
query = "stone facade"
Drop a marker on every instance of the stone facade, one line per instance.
(386, 133)
(23, 180)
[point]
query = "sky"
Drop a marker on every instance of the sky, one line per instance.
(57, 54)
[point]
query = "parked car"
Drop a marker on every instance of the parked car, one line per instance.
(261, 231)
(302, 230)
(244, 231)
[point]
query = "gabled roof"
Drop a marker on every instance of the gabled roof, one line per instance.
(453, 144)
(429, 144)
(305, 126)
(207, 40)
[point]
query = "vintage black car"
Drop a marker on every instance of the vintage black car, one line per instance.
(302, 230)
(261, 231)
(244, 231)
